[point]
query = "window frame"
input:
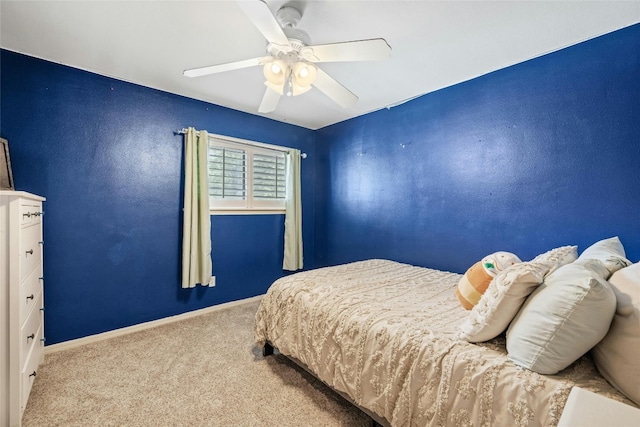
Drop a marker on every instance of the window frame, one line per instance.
(248, 205)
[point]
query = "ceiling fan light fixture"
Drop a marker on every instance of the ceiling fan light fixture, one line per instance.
(289, 69)
(296, 89)
(275, 72)
(304, 74)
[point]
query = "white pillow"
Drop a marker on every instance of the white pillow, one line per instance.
(562, 319)
(558, 257)
(609, 251)
(507, 292)
(617, 355)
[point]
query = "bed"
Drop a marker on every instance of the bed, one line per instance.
(387, 336)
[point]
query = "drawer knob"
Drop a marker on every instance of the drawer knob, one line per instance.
(32, 374)
(30, 296)
(29, 252)
(28, 214)
(30, 337)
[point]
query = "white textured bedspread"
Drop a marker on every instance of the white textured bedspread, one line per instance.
(385, 334)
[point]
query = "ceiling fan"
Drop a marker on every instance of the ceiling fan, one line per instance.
(289, 67)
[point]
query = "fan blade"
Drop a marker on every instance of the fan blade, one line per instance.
(359, 50)
(269, 101)
(334, 90)
(220, 68)
(259, 13)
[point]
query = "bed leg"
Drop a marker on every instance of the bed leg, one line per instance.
(267, 350)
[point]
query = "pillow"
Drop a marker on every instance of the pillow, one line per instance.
(477, 278)
(558, 257)
(609, 251)
(616, 356)
(508, 291)
(562, 319)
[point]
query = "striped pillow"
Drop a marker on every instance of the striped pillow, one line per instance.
(476, 280)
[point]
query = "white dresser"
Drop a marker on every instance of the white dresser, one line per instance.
(21, 300)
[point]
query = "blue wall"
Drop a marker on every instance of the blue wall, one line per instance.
(541, 154)
(104, 154)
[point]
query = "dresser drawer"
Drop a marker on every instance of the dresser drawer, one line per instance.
(29, 291)
(30, 213)
(31, 331)
(28, 374)
(30, 249)
(21, 300)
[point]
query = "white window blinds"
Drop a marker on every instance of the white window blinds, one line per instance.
(269, 176)
(246, 177)
(227, 173)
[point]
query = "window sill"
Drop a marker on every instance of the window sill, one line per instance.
(247, 212)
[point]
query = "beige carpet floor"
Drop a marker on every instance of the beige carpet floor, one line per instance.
(203, 371)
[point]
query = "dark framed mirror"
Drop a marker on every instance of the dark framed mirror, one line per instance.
(6, 177)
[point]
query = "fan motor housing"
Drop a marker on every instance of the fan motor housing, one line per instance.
(288, 17)
(297, 38)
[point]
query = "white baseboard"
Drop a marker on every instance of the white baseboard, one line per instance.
(142, 326)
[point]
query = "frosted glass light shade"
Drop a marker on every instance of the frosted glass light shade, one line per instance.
(275, 72)
(289, 80)
(304, 74)
(296, 90)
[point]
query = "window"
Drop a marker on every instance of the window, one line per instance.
(247, 177)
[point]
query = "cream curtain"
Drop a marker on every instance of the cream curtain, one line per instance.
(196, 230)
(293, 215)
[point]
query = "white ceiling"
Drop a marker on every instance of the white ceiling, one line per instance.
(435, 44)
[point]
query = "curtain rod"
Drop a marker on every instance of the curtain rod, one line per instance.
(241, 141)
